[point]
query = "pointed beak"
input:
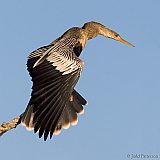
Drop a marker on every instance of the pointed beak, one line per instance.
(123, 41)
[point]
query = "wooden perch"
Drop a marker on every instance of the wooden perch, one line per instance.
(6, 126)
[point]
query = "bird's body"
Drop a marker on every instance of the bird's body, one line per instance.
(55, 70)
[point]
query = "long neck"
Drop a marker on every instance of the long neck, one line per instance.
(93, 29)
(91, 33)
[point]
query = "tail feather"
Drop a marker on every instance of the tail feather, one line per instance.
(27, 118)
(69, 115)
(67, 118)
(80, 99)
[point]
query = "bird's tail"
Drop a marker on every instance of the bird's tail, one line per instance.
(69, 114)
(27, 118)
(67, 117)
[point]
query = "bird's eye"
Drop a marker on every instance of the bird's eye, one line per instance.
(116, 35)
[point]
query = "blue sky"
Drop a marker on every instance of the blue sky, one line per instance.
(121, 83)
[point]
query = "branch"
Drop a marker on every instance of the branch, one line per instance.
(6, 126)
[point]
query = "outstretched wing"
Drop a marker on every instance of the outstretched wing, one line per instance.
(53, 83)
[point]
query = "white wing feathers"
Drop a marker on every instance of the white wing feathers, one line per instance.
(65, 65)
(62, 57)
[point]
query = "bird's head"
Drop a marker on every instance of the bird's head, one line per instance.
(93, 29)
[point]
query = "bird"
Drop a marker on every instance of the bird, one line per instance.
(55, 69)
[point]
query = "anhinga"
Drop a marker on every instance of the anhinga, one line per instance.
(55, 70)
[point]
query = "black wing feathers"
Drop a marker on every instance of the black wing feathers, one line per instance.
(54, 101)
